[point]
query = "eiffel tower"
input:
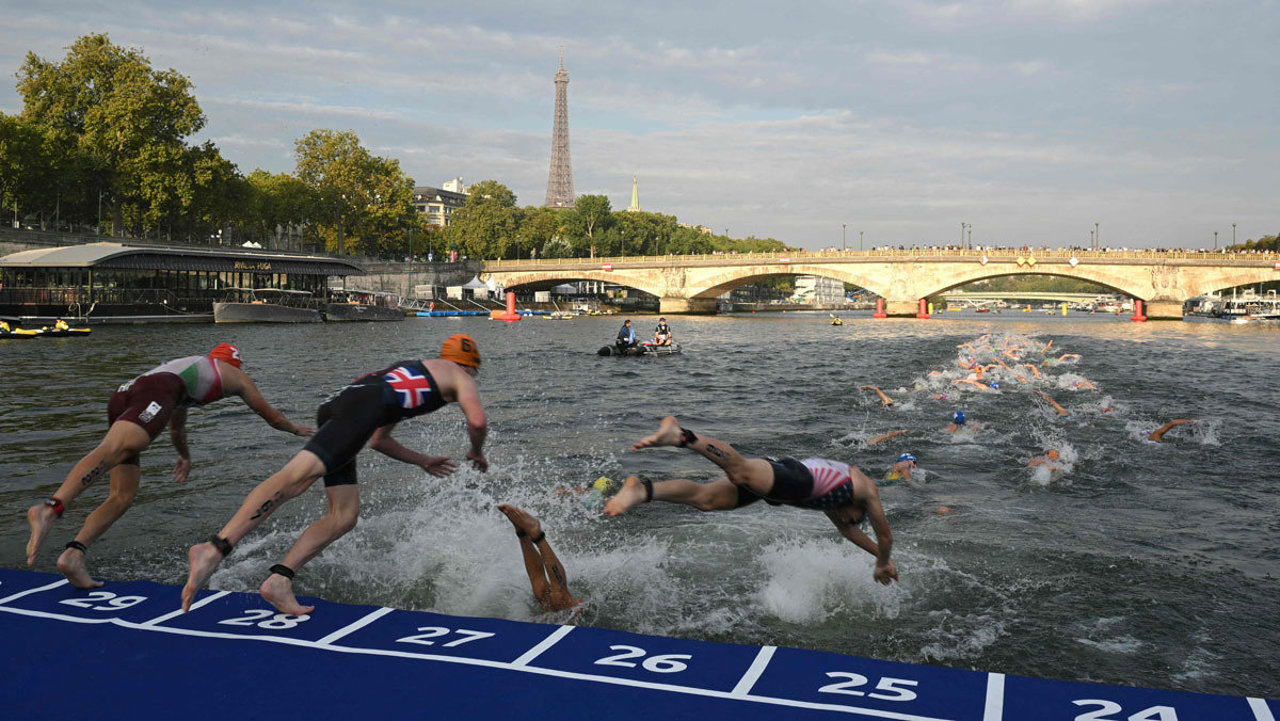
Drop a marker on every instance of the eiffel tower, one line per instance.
(560, 177)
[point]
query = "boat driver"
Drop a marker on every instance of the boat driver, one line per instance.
(626, 336)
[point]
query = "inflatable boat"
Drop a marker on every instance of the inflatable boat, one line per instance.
(642, 349)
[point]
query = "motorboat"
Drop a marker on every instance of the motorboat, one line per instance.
(640, 349)
(354, 305)
(266, 305)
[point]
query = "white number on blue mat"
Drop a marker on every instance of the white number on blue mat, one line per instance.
(254, 616)
(887, 684)
(113, 603)
(662, 663)
(1107, 708)
(437, 632)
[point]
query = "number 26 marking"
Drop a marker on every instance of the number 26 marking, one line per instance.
(889, 685)
(662, 663)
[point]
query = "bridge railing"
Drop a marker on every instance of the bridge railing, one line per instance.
(876, 255)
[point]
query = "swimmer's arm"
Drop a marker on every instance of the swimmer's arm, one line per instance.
(382, 442)
(887, 436)
(244, 387)
(855, 535)
(477, 424)
(178, 434)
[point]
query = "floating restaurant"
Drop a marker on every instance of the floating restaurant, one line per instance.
(123, 282)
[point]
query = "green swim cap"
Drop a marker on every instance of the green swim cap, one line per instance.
(607, 486)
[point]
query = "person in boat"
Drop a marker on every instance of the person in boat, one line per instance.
(366, 411)
(137, 412)
(845, 494)
(662, 333)
(546, 574)
(61, 324)
(1157, 436)
(4, 327)
(626, 336)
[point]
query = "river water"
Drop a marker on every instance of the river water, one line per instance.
(1136, 563)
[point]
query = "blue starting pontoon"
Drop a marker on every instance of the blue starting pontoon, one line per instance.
(126, 651)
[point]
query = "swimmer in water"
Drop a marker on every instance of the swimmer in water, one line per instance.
(845, 494)
(1048, 459)
(1062, 412)
(901, 470)
(546, 574)
(885, 400)
(958, 421)
(886, 436)
(1157, 436)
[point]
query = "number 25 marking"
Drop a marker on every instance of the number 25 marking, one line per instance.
(113, 603)
(890, 685)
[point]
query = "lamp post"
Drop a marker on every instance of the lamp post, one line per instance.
(1091, 244)
(859, 240)
(962, 224)
(842, 227)
(1096, 237)
(1233, 234)
(1215, 241)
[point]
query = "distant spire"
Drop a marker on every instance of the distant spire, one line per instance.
(560, 176)
(635, 195)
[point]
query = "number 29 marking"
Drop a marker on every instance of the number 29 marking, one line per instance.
(112, 602)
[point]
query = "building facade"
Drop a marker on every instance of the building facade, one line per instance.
(438, 204)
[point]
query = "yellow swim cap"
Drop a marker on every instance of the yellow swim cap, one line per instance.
(607, 486)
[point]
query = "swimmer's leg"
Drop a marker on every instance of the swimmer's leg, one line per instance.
(124, 487)
(123, 440)
(344, 511)
(756, 473)
(296, 476)
(720, 495)
(528, 527)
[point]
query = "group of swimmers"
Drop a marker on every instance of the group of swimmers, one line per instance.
(365, 412)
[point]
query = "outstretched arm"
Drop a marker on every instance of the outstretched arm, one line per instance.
(885, 400)
(887, 436)
(382, 442)
(1158, 434)
(477, 424)
(238, 383)
(178, 434)
(1061, 411)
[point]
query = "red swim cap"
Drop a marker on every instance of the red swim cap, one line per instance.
(228, 353)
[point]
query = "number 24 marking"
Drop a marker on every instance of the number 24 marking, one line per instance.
(1106, 708)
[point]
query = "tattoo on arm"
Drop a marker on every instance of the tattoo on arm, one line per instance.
(558, 572)
(715, 451)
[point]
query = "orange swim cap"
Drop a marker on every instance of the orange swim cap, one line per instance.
(228, 353)
(1052, 454)
(461, 349)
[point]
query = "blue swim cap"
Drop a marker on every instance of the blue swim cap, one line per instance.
(958, 418)
(906, 457)
(995, 386)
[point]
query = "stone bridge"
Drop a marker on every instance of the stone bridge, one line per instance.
(691, 283)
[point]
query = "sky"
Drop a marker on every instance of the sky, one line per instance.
(849, 123)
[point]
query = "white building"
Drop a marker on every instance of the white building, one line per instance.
(817, 289)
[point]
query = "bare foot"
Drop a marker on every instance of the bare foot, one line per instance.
(71, 563)
(669, 434)
(41, 519)
(278, 591)
(631, 495)
(203, 559)
(522, 520)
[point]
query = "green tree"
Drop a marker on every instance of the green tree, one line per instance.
(362, 202)
(277, 201)
(537, 226)
(24, 163)
(487, 224)
(120, 121)
(591, 215)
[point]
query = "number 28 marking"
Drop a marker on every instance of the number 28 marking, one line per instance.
(891, 686)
